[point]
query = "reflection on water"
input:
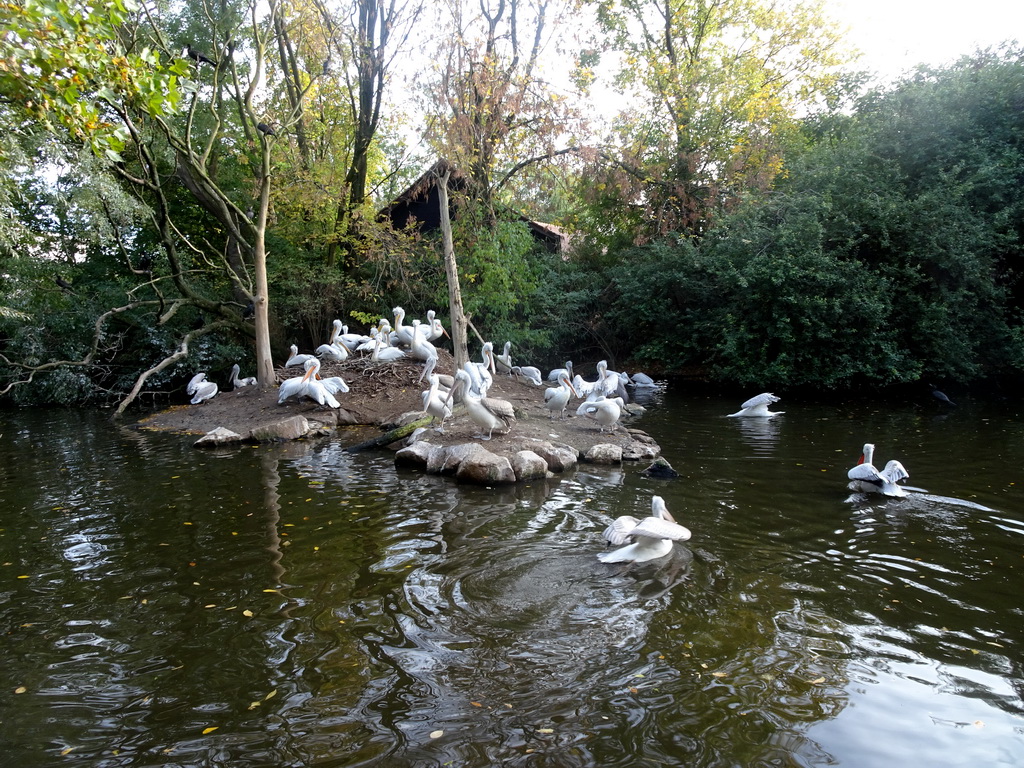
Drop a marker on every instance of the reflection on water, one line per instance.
(299, 605)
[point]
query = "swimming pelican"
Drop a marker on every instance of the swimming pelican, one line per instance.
(296, 358)
(553, 375)
(385, 354)
(486, 412)
(201, 389)
(333, 353)
(480, 373)
(504, 360)
(941, 396)
(236, 382)
(420, 348)
(296, 386)
(642, 381)
(435, 404)
(557, 398)
(866, 479)
(529, 372)
(605, 411)
(652, 537)
(758, 406)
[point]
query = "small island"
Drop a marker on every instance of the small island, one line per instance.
(386, 396)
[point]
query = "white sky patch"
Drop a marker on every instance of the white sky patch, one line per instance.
(897, 35)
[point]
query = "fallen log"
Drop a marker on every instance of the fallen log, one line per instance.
(398, 433)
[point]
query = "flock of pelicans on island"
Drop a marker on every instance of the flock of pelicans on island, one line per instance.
(638, 540)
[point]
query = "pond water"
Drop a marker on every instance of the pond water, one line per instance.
(296, 605)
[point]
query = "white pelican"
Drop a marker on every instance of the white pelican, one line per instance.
(553, 375)
(435, 329)
(445, 380)
(758, 406)
(385, 354)
(296, 358)
(557, 398)
(480, 373)
(419, 347)
(236, 382)
(332, 353)
(504, 360)
(529, 372)
(435, 404)
(296, 386)
(486, 412)
(201, 389)
(866, 479)
(342, 338)
(652, 537)
(604, 410)
(404, 332)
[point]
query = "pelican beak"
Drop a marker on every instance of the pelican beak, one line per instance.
(572, 389)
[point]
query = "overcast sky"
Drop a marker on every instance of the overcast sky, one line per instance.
(897, 35)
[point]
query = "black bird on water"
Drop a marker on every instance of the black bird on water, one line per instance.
(939, 395)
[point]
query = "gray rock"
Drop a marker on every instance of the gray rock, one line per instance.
(529, 466)
(446, 460)
(218, 436)
(559, 457)
(604, 453)
(290, 429)
(415, 456)
(485, 468)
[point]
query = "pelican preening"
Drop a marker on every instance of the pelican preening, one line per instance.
(528, 372)
(480, 374)
(332, 353)
(651, 537)
(865, 478)
(557, 398)
(201, 389)
(604, 410)
(757, 407)
(237, 383)
(486, 412)
(420, 348)
(385, 354)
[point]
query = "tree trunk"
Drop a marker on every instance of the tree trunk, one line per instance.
(460, 346)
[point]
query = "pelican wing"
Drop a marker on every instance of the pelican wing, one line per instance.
(865, 472)
(621, 530)
(894, 472)
(501, 408)
(656, 528)
(765, 398)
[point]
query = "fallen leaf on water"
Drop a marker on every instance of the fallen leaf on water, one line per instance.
(254, 704)
(476, 703)
(436, 734)
(979, 724)
(545, 730)
(25, 576)
(819, 681)
(20, 689)
(66, 750)
(211, 729)
(270, 695)
(270, 590)
(634, 690)
(975, 651)
(719, 674)
(210, 605)
(247, 612)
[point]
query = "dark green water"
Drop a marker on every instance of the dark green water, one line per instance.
(298, 606)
